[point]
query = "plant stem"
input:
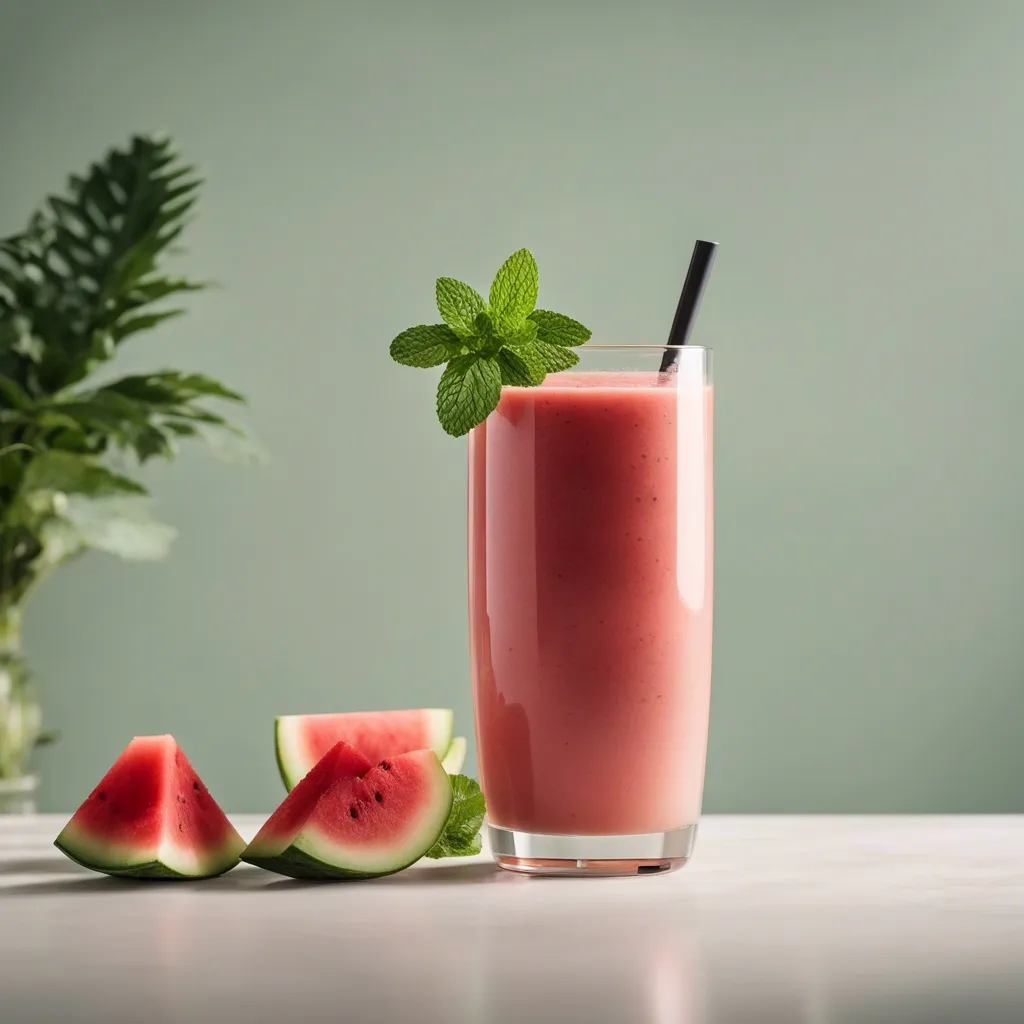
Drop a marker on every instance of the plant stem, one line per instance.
(10, 629)
(19, 713)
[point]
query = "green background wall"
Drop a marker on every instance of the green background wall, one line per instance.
(862, 166)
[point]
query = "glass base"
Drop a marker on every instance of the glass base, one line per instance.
(538, 853)
(18, 795)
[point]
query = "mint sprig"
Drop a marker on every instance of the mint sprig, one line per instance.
(461, 836)
(485, 346)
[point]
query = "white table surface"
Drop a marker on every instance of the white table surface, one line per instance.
(790, 919)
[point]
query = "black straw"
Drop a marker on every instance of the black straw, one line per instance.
(689, 299)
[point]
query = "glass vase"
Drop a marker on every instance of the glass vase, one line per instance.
(20, 719)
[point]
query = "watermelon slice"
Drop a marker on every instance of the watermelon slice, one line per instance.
(349, 818)
(152, 817)
(301, 740)
(455, 757)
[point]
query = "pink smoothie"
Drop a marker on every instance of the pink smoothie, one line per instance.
(590, 586)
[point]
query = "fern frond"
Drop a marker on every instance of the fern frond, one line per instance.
(85, 274)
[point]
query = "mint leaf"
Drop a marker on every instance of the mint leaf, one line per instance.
(461, 836)
(514, 289)
(558, 329)
(467, 393)
(458, 305)
(426, 345)
(482, 339)
(521, 367)
(555, 357)
(522, 336)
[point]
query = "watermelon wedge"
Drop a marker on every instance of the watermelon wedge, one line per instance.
(350, 818)
(455, 757)
(151, 816)
(301, 740)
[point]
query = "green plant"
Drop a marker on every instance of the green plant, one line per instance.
(85, 277)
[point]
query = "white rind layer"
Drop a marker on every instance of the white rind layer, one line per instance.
(455, 757)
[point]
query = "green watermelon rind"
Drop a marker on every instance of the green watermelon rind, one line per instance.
(282, 768)
(292, 769)
(117, 861)
(295, 863)
(455, 755)
(313, 857)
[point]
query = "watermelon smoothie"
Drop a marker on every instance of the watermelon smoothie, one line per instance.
(590, 584)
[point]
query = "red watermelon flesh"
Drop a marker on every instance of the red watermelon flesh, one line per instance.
(350, 818)
(301, 740)
(340, 762)
(151, 816)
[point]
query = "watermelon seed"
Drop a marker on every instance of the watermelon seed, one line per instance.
(195, 786)
(378, 798)
(353, 812)
(386, 765)
(180, 827)
(101, 795)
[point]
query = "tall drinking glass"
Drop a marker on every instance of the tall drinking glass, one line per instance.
(590, 604)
